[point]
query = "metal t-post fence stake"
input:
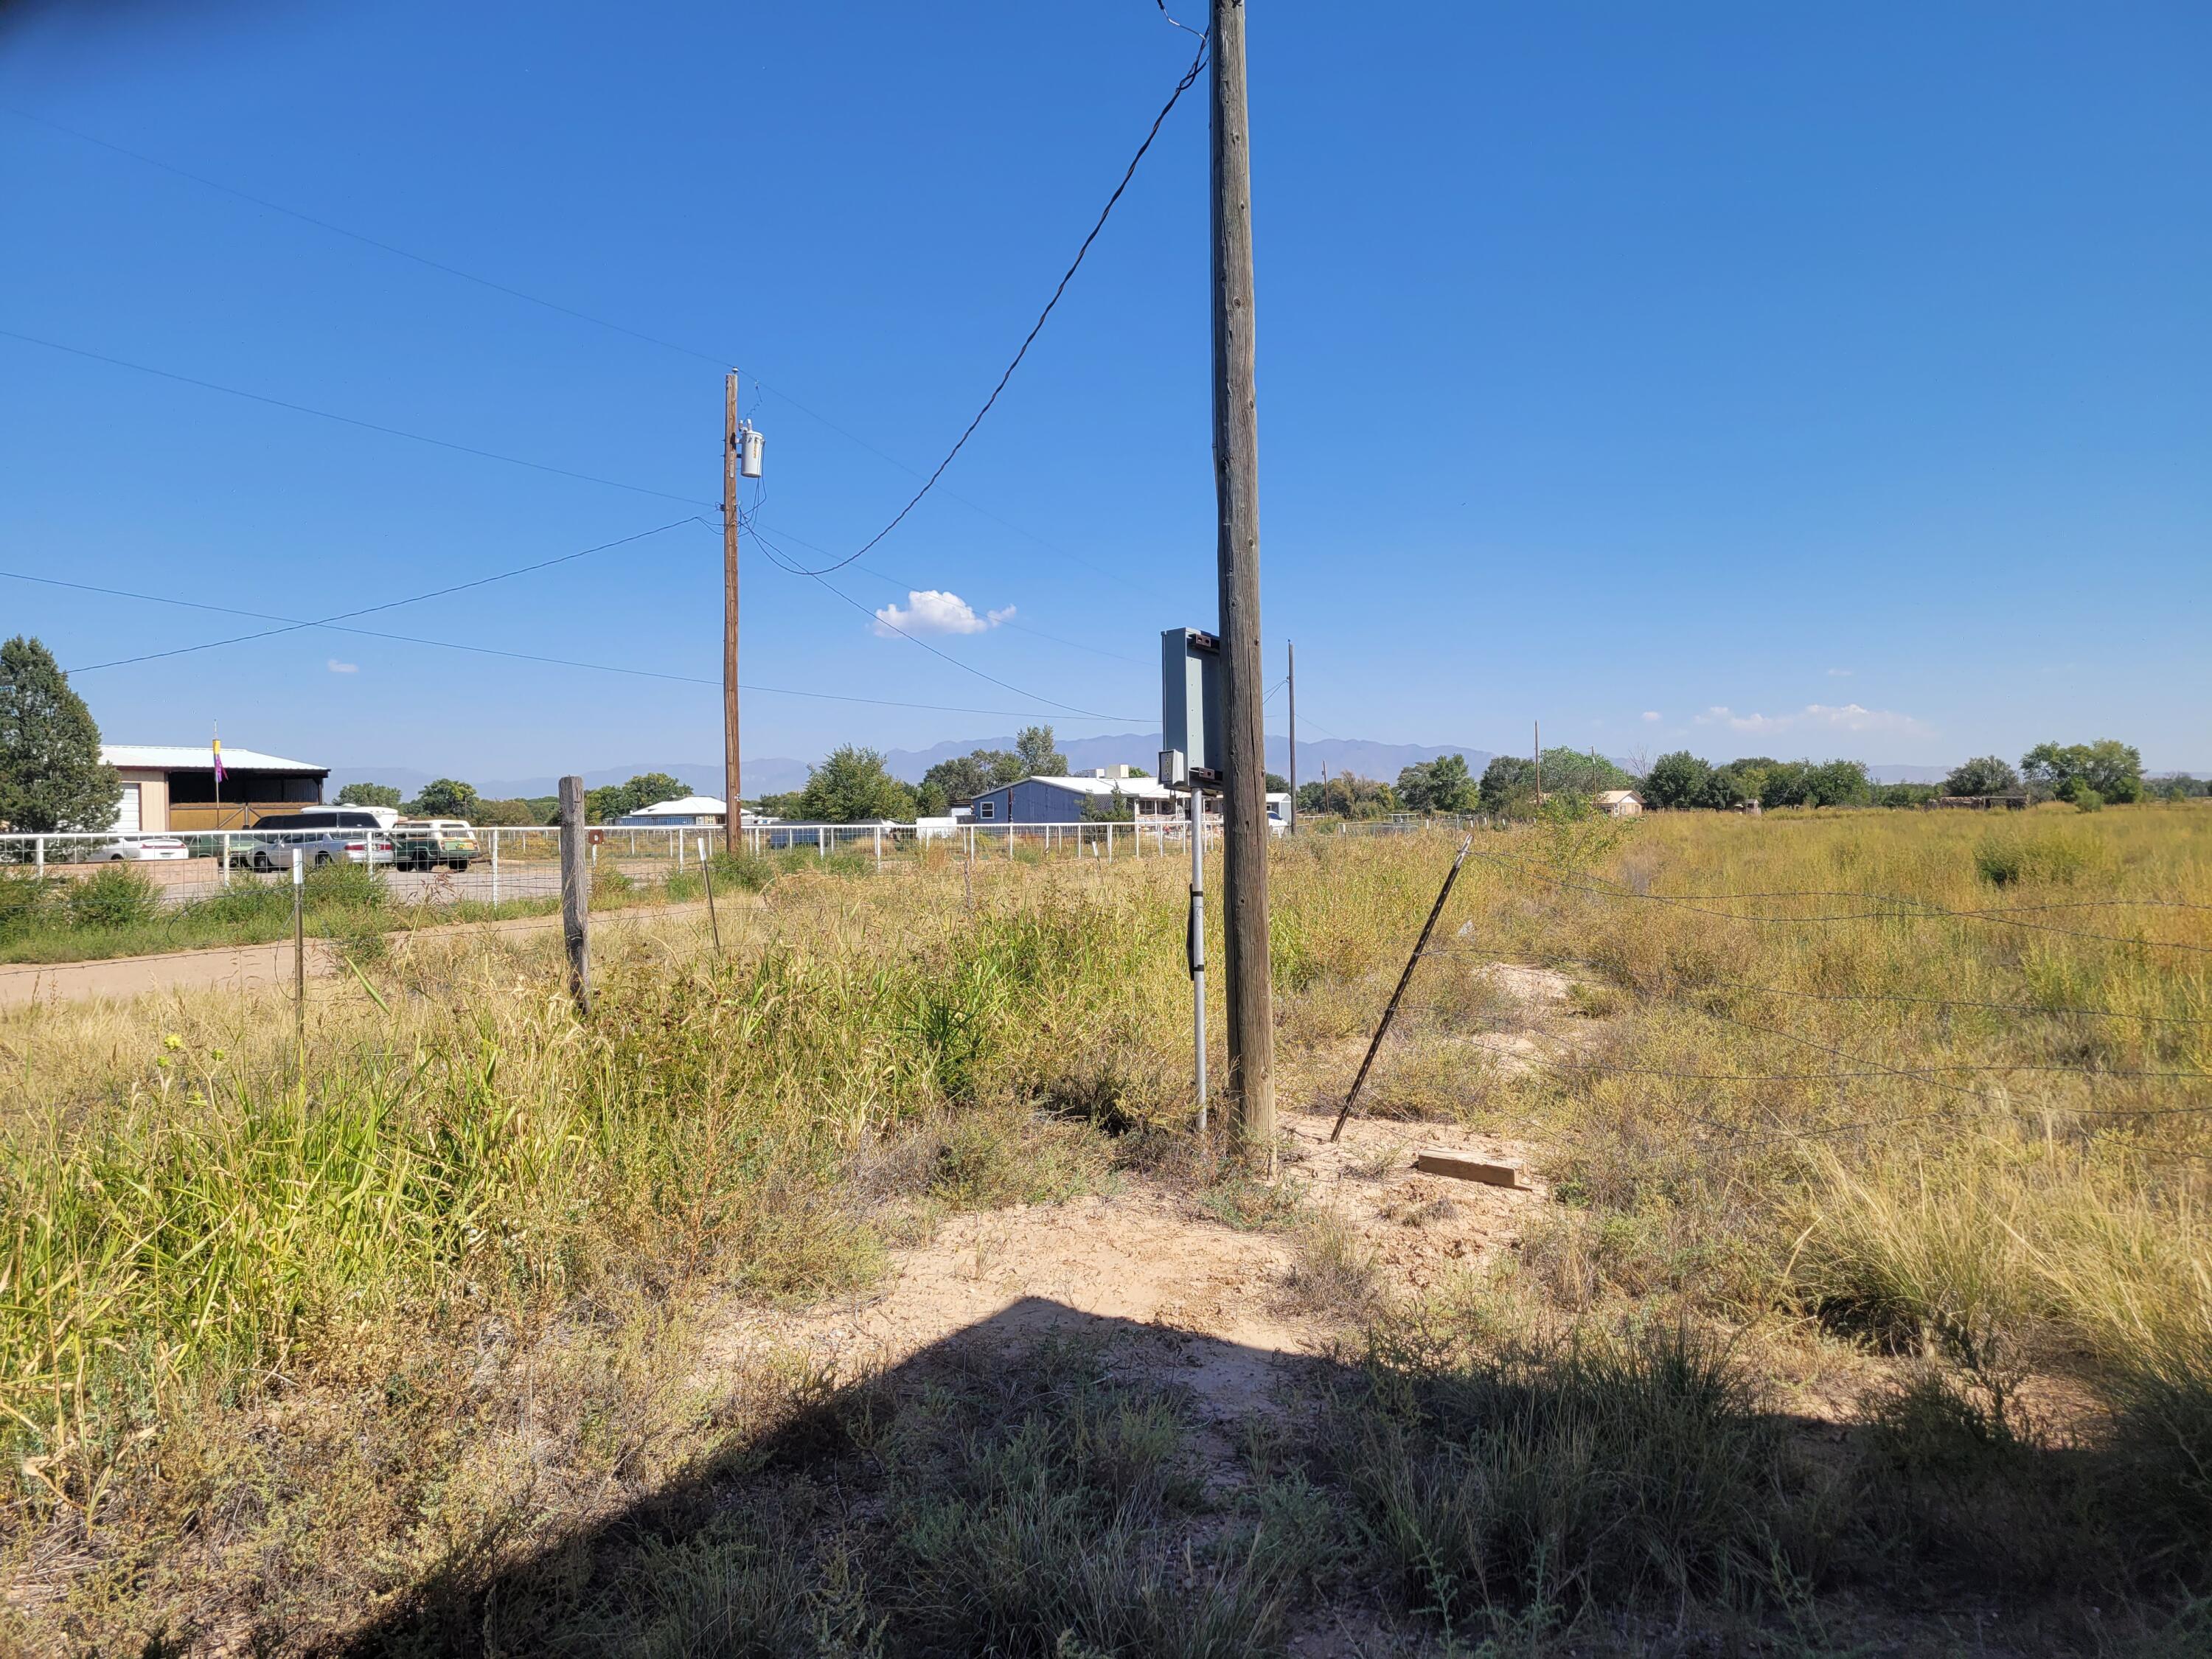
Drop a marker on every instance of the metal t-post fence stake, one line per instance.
(707, 873)
(1404, 980)
(495, 866)
(1197, 948)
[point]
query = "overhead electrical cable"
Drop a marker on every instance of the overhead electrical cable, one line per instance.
(348, 420)
(905, 587)
(298, 623)
(781, 560)
(719, 359)
(1190, 76)
(293, 626)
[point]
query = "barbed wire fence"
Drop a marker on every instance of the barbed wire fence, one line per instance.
(1572, 1061)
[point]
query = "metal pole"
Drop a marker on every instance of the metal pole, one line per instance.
(879, 849)
(1404, 980)
(299, 950)
(822, 840)
(575, 894)
(732, 781)
(495, 866)
(1250, 1000)
(226, 857)
(1196, 948)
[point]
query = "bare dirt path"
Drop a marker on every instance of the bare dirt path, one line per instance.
(1216, 1309)
(243, 967)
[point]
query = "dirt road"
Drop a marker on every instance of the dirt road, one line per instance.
(243, 967)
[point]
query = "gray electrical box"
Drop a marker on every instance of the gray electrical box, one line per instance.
(1190, 702)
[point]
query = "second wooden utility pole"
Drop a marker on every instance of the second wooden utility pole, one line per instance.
(1290, 679)
(1244, 837)
(731, 790)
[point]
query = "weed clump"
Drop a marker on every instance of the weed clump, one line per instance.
(113, 897)
(1558, 1469)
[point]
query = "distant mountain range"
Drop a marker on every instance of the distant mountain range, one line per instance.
(774, 775)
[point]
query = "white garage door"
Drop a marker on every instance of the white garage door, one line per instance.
(126, 815)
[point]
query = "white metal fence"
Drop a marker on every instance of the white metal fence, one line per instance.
(511, 864)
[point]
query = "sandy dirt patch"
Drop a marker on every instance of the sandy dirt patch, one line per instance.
(1176, 1293)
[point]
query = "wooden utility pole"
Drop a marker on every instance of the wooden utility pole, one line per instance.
(1251, 996)
(733, 817)
(1537, 728)
(1292, 679)
(575, 894)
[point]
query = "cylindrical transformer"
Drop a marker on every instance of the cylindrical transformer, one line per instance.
(750, 462)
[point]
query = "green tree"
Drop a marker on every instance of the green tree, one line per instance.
(853, 786)
(1508, 786)
(1441, 785)
(1310, 798)
(369, 794)
(52, 777)
(651, 788)
(1724, 790)
(446, 798)
(1040, 756)
(497, 814)
(1114, 808)
(1277, 783)
(2112, 769)
(1678, 779)
(1582, 772)
(930, 800)
(1351, 797)
(1837, 783)
(1985, 775)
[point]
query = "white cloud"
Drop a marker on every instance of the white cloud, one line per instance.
(1819, 717)
(928, 611)
(1651, 714)
(1840, 673)
(337, 667)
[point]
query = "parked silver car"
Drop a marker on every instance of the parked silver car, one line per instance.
(321, 834)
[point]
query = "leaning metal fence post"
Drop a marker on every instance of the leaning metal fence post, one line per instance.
(1404, 980)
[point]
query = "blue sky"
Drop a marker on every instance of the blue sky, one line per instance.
(1782, 379)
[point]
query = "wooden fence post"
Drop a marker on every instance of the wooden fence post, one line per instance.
(575, 894)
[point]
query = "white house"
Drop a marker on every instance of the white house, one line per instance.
(1620, 804)
(690, 813)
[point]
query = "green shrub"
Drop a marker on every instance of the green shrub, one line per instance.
(747, 871)
(346, 886)
(244, 905)
(2088, 800)
(114, 898)
(2008, 859)
(25, 901)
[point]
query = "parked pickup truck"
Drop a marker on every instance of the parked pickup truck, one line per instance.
(425, 843)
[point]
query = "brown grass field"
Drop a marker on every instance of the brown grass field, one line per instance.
(1863, 1303)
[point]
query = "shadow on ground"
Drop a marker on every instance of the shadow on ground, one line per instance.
(1052, 1483)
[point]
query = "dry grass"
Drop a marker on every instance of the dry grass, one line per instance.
(282, 1334)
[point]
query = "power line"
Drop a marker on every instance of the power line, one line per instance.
(910, 588)
(1190, 76)
(293, 627)
(719, 359)
(377, 243)
(776, 556)
(296, 623)
(348, 420)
